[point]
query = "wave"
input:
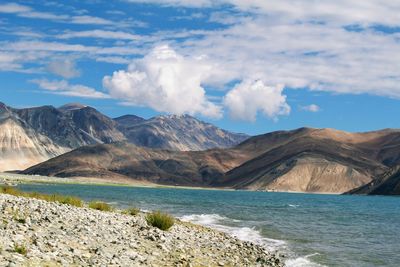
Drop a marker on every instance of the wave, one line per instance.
(303, 262)
(250, 234)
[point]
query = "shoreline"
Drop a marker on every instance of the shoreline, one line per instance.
(63, 235)
(14, 178)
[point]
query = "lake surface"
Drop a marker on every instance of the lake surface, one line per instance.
(310, 229)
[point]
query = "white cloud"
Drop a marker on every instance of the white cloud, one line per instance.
(62, 87)
(89, 20)
(65, 68)
(339, 11)
(100, 34)
(304, 55)
(113, 60)
(28, 12)
(13, 8)
(311, 108)
(165, 81)
(248, 98)
(301, 44)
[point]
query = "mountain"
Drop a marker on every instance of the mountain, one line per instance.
(127, 121)
(32, 135)
(21, 145)
(304, 160)
(316, 160)
(71, 127)
(386, 184)
(174, 132)
(29, 136)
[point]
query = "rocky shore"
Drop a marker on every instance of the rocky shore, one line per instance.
(39, 233)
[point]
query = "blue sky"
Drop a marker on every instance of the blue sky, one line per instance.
(249, 66)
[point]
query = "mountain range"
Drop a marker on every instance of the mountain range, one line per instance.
(302, 160)
(29, 136)
(78, 141)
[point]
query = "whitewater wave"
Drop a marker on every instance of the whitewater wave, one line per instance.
(245, 233)
(219, 222)
(303, 262)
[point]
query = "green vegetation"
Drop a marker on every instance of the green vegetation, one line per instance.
(19, 217)
(160, 220)
(21, 249)
(70, 200)
(157, 219)
(99, 205)
(131, 211)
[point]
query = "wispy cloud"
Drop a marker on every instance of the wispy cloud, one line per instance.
(28, 12)
(100, 34)
(311, 108)
(64, 67)
(62, 87)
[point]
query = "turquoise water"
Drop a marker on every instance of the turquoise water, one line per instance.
(310, 229)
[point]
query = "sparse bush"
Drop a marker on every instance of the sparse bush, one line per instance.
(99, 205)
(21, 249)
(74, 201)
(131, 211)
(160, 220)
(19, 217)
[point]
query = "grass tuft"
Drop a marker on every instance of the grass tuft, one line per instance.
(131, 211)
(21, 249)
(160, 220)
(70, 200)
(99, 205)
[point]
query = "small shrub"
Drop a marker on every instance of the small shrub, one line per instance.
(21, 249)
(99, 205)
(160, 220)
(19, 217)
(131, 211)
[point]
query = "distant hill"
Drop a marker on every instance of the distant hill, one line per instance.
(32, 135)
(302, 160)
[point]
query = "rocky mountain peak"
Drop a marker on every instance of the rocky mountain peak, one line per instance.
(72, 106)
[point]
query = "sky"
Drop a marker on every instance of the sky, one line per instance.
(251, 66)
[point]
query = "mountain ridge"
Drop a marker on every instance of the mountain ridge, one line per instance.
(54, 131)
(303, 160)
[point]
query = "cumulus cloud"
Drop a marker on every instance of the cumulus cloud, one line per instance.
(64, 68)
(62, 87)
(336, 46)
(311, 108)
(164, 81)
(248, 98)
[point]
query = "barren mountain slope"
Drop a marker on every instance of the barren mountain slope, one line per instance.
(318, 160)
(21, 146)
(173, 132)
(306, 160)
(153, 165)
(386, 184)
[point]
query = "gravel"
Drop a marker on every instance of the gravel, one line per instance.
(61, 235)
